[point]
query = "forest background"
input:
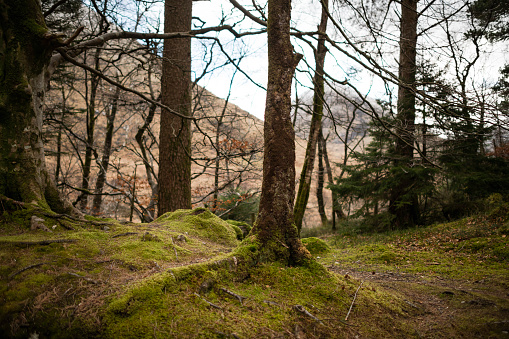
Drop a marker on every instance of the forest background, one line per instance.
(102, 143)
(103, 113)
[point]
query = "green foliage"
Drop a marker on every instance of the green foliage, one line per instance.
(475, 175)
(239, 205)
(493, 15)
(372, 176)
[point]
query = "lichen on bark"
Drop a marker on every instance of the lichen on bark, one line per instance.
(25, 51)
(274, 228)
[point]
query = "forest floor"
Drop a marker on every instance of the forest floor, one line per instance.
(178, 277)
(455, 275)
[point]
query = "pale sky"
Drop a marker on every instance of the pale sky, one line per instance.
(251, 97)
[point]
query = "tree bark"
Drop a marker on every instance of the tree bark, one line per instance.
(316, 122)
(89, 146)
(320, 182)
(25, 51)
(337, 212)
(403, 203)
(175, 132)
(274, 228)
(105, 161)
(149, 214)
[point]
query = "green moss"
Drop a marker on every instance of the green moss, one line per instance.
(315, 245)
(199, 222)
(141, 291)
(241, 226)
(99, 219)
(238, 232)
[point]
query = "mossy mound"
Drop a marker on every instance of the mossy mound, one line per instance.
(316, 246)
(199, 222)
(56, 282)
(222, 300)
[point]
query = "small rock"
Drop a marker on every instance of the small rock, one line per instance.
(106, 228)
(37, 223)
(54, 226)
(181, 237)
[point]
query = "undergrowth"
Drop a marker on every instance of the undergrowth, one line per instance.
(186, 275)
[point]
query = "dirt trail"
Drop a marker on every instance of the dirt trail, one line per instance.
(444, 308)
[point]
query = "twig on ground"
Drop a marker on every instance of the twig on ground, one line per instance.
(33, 243)
(230, 293)
(84, 278)
(353, 301)
(208, 302)
(174, 248)
(301, 309)
(270, 302)
(12, 275)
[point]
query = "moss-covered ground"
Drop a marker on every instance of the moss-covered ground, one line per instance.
(455, 275)
(185, 275)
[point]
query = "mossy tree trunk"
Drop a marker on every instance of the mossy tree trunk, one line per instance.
(175, 132)
(403, 202)
(274, 227)
(316, 122)
(25, 50)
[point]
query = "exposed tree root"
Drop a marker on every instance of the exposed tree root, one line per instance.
(34, 243)
(12, 275)
(8, 204)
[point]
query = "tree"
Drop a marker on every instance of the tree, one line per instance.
(105, 160)
(316, 122)
(25, 51)
(175, 132)
(274, 227)
(29, 55)
(403, 203)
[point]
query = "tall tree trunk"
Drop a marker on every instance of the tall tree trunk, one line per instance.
(149, 214)
(175, 132)
(217, 161)
(58, 167)
(89, 146)
(320, 182)
(337, 212)
(403, 203)
(105, 161)
(316, 122)
(25, 50)
(274, 227)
